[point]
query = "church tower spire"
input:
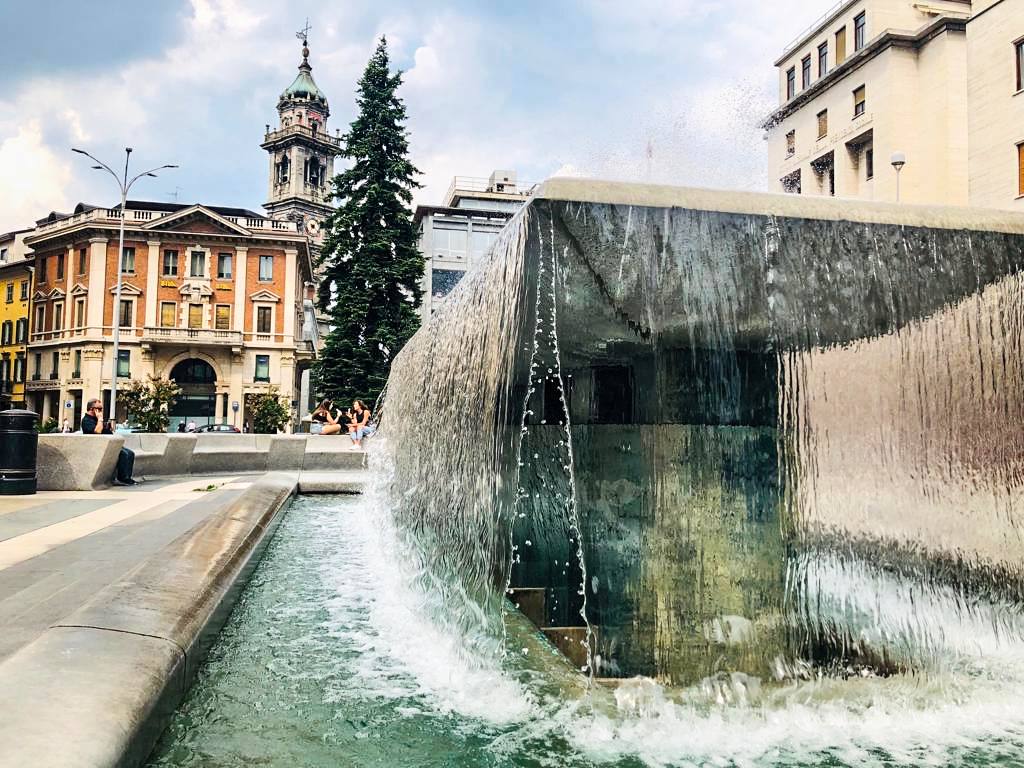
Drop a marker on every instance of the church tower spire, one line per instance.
(302, 152)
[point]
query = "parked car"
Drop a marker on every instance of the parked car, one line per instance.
(218, 428)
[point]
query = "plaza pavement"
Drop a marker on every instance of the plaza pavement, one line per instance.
(59, 548)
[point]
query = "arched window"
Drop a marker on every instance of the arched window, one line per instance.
(193, 371)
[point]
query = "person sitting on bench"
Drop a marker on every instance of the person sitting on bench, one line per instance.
(93, 424)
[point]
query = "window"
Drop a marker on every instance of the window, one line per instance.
(3, 254)
(790, 83)
(859, 101)
(24, 290)
(859, 30)
(41, 272)
(125, 315)
(37, 365)
(266, 268)
(124, 362)
(60, 266)
(262, 319)
(21, 330)
(40, 318)
(791, 143)
(10, 292)
(224, 266)
(223, 318)
(262, 368)
(170, 266)
(77, 373)
(823, 124)
(1020, 170)
(168, 314)
(58, 315)
(1019, 50)
(54, 365)
(840, 46)
(19, 370)
(195, 315)
(6, 331)
(869, 163)
(822, 59)
(805, 72)
(198, 264)
(83, 260)
(128, 261)
(79, 313)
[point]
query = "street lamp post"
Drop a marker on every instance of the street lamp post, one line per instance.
(898, 161)
(124, 185)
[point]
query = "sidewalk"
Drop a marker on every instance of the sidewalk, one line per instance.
(59, 548)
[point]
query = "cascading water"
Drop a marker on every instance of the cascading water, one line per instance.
(766, 452)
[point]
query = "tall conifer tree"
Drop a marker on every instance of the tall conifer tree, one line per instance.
(372, 265)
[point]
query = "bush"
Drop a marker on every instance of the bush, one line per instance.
(48, 426)
(269, 410)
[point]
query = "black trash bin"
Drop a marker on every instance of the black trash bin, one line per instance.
(19, 442)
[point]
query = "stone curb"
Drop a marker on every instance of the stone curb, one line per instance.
(98, 688)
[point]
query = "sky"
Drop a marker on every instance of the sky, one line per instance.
(666, 91)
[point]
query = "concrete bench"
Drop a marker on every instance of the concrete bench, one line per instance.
(161, 454)
(77, 462)
(331, 452)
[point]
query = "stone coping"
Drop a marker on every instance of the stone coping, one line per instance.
(788, 206)
(86, 462)
(99, 687)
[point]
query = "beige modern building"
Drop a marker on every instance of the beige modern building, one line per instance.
(934, 83)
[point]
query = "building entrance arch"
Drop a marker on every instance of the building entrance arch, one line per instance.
(197, 402)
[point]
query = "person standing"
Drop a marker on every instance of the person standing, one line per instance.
(93, 424)
(65, 427)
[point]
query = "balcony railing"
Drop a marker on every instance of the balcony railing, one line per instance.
(191, 335)
(463, 184)
(303, 130)
(113, 216)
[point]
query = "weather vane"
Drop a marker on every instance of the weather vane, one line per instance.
(303, 34)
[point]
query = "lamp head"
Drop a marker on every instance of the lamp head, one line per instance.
(898, 160)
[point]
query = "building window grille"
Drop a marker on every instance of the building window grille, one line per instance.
(168, 314)
(128, 261)
(859, 101)
(859, 31)
(262, 372)
(266, 269)
(822, 60)
(170, 266)
(224, 266)
(823, 124)
(198, 264)
(790, 83)
(124, 361)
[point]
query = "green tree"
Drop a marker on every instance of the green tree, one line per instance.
(269, 410)
(149, 402)
(371, 263)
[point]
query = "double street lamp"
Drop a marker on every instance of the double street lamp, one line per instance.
(124, 184)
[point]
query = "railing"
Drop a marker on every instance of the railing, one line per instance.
(113, 216)
(817, 23)
(303, 130)
(477, 184)
(201, 335)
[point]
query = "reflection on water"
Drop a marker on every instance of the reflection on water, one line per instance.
(332, 658)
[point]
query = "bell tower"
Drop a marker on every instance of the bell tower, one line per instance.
(301, 153)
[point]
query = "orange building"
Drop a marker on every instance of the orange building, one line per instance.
(215, 298)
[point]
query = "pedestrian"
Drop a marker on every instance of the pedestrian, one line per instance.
(65, 428)
(93, 424)
(181, 427)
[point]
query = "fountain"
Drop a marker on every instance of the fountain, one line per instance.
(702, 435)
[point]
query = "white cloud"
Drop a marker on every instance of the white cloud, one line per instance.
(32, 177)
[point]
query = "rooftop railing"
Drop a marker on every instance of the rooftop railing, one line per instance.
(113, 215)
(817, 23)
(303, 130)
(478, 184)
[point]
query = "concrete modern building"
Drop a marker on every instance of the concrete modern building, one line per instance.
(932, 83)
(458, 233)
(15, 294)
(212, 297)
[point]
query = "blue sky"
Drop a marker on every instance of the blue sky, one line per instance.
(660, 90)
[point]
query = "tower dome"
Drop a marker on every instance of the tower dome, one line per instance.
(303, 86)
